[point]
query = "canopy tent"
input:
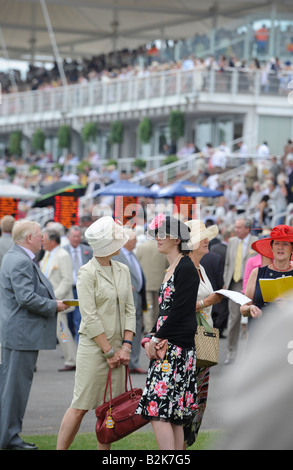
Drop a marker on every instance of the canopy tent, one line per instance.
(92, 27)
(124, 188)
(59, 188)
(187, 188)
(17, 192)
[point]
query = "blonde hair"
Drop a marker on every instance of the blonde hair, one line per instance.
(23, 228)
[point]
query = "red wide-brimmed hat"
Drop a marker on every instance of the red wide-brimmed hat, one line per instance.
(282, 233)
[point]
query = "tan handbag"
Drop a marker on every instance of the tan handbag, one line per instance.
(206, 343)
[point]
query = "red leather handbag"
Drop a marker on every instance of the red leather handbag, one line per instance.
(116, 418)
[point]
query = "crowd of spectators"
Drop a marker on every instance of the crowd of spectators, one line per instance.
(261, 187)
(97, 69)
(185, 54)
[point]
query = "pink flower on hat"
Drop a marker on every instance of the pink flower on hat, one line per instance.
(157, 222)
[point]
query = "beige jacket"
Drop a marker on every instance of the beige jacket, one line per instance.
(231, 257)
(60, 274)
(98, 295)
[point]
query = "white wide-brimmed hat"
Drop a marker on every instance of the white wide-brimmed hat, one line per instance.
(105, 236)
(198, 232)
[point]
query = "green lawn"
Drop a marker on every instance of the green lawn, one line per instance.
(137, 441)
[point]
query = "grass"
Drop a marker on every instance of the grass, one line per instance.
(137, 441)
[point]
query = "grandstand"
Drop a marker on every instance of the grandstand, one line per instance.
(116, 64)
(213, 77)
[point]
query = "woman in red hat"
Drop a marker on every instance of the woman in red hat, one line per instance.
(279, 248)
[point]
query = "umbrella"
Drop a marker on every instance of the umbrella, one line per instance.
(187, 188)
(124, 188)
(17, 192)
(58, 188)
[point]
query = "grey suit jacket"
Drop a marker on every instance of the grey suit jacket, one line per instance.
(231, 257)
(6, 243)
(28, 311)
(136, 293)
(86, 252)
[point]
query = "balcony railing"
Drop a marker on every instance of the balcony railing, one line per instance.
(139, 91)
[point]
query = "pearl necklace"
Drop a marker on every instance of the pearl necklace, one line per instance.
(171, 265)
(281, 270)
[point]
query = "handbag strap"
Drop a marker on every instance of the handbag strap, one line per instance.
(201, 321)
(108, 383)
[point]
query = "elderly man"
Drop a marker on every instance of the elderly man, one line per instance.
(27, 324)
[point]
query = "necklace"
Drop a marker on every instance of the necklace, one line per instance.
(171, 265)
(197, 267)
(281, 270)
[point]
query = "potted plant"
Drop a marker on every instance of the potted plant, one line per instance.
(140, 163)
(14, 144)
(89, 131)
(64, 137)
(38, 140)
(116, 132)
(168, 160)
(145, 130)
(176, 124)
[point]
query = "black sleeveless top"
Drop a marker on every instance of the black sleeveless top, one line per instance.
(266, 273)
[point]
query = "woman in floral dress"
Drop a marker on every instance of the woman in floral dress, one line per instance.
(169, 397)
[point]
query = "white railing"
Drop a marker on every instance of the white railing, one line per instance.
(99, 96)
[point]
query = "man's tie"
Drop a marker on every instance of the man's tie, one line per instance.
(46, 259)
(76, 262)
(238, 263)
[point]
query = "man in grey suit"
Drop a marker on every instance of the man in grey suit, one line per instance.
(127, 257)
(6, 241)
(27, 324)
(80, 254)
(233, 280)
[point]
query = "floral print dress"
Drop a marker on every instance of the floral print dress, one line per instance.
(170, 391)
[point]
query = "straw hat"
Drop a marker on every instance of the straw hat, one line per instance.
(105, 236)
(198, 232)
(282, 233)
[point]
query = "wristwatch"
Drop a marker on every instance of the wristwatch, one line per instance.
(109, 354)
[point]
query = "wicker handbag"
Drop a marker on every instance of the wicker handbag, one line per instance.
(206, 343)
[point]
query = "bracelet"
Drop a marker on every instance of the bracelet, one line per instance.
(109, 354)
(201, 304)
(155, 340)
(126, 349)
(127, 341)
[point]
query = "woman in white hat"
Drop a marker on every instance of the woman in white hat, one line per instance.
(206, 298)
(106, 329)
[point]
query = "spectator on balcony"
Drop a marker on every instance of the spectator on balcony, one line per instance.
(187, 149)
(250, 176)
(219, 159)
(263, 150)
(261, 37)
(187, 63)
(278, 201)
